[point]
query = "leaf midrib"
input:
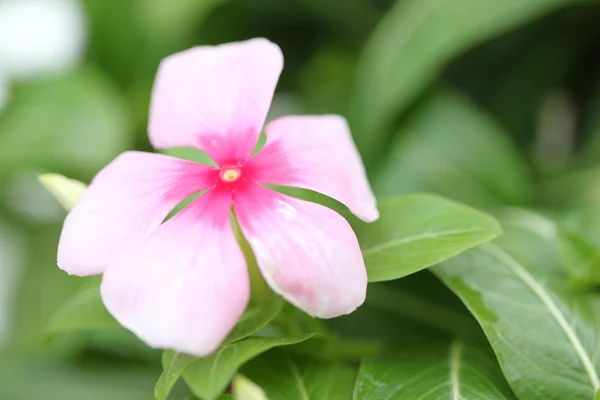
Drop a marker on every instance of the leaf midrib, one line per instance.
(428, 235)
(545, 298)
(455, 355)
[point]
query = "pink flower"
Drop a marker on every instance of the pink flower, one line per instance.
(183, 284)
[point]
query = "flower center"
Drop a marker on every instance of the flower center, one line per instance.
(230, 173)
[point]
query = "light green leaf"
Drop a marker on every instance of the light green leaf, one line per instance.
(545, 336)
(83, 311)
(450, 147)
(420, 230)
(74, 121)
(208, 376)
(431, 371)
(412, 44)
(284, 376)
(244, 389)
(175, 363)
(67, 191)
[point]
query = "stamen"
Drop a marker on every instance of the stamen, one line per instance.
(230, 173)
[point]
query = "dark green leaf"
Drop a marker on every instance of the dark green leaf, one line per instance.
(207, 377)
(413, 42)
(545, 336)
(283, 376)
(417, 231)
(452, 148)
(431, 371)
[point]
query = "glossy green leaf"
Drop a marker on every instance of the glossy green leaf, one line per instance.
(420, 230)
(290, 377)
(175, 363)
(411, 45)
(75, 121)
(545, 336)
(83, 311)
(207, 377)
(431, 371)
(452, 148)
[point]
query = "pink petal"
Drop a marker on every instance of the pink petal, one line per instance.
(185, 285)
(127, 199)
(306, 252)
(317, 153)
(215, 98)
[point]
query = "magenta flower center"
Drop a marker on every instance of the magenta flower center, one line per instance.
(230, 173)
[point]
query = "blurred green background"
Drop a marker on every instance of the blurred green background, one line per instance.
(490, 102)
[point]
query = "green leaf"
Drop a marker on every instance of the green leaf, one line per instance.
(579, 245)
(420, 230)
(431, 371)
(175, 363)
(83, 311)
(255, 317)
(66, 191)
(283, 376)
(412, 44)
(207, 377)
(545, 336)
(75, 121)
(450, 147)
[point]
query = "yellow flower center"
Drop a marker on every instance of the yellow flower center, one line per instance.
(230, 173)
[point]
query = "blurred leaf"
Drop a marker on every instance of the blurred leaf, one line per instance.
(207, 377)
(244, 389)
(579, 244)
(284, 376)
(170, 21)
(417, 231)
(411, 45)
(452, 148)
(52, 380)
(545, 336)
(66, 191)
(76, 121)
(255, 317)
(83, 311)
(431, 371)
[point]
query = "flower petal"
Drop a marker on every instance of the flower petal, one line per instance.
(185, 285)
(215, 98)
(306, 252)
(127, 199)
(317, 153)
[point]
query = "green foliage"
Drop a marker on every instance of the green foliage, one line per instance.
(451, 147)
(466, 112)
(434, 370)
(411, 45)
(286, 376)
(417, 231)
(207, 377)
(544, 335)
